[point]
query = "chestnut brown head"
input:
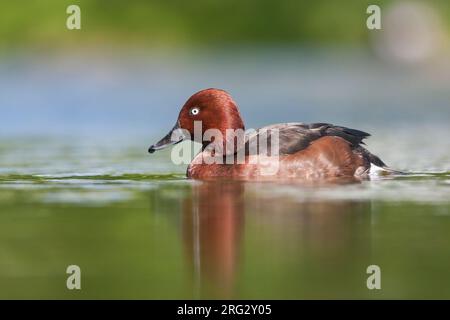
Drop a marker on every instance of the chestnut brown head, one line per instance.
(212, 108)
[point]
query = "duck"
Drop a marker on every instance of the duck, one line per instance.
(292, 150)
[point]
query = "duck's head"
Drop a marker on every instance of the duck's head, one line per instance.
(212, 108)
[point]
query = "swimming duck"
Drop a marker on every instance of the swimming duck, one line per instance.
(293, 150)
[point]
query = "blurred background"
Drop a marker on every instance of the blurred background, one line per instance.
(133, 64)
(79, 109)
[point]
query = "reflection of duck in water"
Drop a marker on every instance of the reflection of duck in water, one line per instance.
(212, 229)
(316, 235)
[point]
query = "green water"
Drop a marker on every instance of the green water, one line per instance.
(139, 229)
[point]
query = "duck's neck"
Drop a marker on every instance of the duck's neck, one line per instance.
(224, 142)
(226, 134)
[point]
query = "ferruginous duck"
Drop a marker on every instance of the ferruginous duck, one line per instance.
(288, 151)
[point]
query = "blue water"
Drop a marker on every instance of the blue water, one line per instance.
(77, 185)
(142, 92)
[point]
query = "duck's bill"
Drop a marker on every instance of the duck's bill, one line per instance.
(173, 137)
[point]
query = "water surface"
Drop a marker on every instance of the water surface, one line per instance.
(77, 186)
(139, 229)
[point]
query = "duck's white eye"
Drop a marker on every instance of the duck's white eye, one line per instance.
(194, 111)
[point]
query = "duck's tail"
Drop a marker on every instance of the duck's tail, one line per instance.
(377, 165)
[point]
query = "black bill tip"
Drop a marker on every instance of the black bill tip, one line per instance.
(166, 141)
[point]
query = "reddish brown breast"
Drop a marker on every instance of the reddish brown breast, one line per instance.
(326, 157)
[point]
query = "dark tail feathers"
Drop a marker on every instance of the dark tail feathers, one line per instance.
(373, 159)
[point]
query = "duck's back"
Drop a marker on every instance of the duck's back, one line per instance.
(303, 151)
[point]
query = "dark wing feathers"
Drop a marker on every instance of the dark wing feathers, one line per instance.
(355, 137)
(294, 137)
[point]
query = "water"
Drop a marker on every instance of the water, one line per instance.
(139, 229)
